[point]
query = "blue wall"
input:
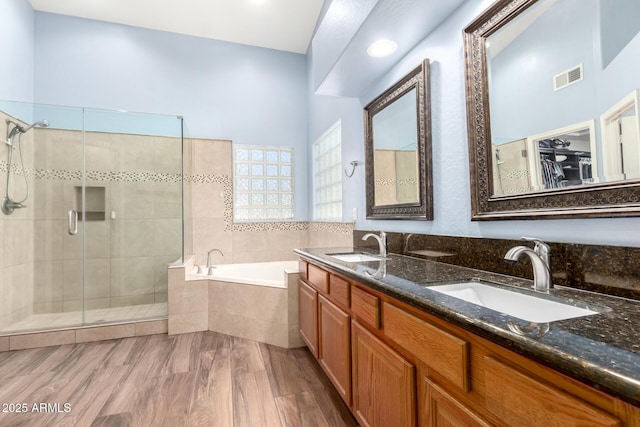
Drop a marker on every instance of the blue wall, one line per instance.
(260, 96)
(16, 50)
(224, 90)
(525, 70)
(618, 25)
(450, 153)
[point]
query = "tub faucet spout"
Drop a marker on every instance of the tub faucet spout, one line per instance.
(210, 266)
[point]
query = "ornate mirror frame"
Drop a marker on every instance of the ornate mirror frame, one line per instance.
(613, 199)
(418, 78)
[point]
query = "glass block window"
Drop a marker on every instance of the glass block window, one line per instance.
(262, 183)
(327, 176)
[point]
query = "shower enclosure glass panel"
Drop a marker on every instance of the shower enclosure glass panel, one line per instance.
(41, 282)
(132, 213)
(101, 222)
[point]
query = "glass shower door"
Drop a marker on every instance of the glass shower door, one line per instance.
(132, 213)
(43, 274)
(58, 233)
(97, 215)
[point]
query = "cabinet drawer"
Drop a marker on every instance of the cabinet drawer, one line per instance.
(302, 269)
(318, 278)
(445, 353)
(365, 307)
(518, 399)
(339, 290)
(441, 409)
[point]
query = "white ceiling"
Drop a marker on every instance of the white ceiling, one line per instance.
(276, 24)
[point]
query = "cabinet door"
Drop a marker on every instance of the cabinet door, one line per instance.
(521, 400)
(334, 351)
(308, 316)
(383, 382)
(442, 410)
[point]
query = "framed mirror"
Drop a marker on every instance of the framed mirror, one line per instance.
(398, 150)
(550, 85)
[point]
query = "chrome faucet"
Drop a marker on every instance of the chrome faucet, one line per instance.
(210, 266)
(539, 257)
(382, 241)
(406, 244)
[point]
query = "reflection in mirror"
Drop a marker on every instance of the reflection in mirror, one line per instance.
(554, 88)
(621, 139)
(395, 147)
(555, 78)
(559, 158)
(398, 150)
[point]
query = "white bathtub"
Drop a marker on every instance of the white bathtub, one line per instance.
(272, 274)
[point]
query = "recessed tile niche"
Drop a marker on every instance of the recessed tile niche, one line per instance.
(94, 203)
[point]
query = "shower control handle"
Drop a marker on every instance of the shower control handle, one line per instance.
(73, 222)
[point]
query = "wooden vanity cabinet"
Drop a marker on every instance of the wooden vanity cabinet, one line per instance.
(396, 365)
(325, 325)
(384, 392)
(334, 351)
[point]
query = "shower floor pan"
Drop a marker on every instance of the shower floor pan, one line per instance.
(46, 321)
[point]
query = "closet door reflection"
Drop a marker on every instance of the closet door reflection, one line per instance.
(621, 139)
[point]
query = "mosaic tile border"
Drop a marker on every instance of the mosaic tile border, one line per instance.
(391, 181)
(269, 226)
(225, 180)
(17, 169)
(91, 175)
(332, 227)
(208, 179)
(230, 225)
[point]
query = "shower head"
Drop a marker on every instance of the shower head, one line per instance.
(17, 128)
(39, 124)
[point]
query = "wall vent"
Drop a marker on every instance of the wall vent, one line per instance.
(568, 77)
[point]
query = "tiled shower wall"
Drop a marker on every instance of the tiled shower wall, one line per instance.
(133, 225)
(17, 233)
(211, 184)
(128, 243)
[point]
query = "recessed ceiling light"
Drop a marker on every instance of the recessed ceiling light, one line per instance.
(381, 48)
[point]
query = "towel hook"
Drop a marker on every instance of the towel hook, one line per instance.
(353, 164)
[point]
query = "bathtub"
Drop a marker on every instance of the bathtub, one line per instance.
(272, 274)
(258, 301)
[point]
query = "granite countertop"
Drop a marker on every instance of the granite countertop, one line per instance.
(601, 350)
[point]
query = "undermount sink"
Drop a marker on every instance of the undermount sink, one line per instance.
(525, 306)
(354, 257)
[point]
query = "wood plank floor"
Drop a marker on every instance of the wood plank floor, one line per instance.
(199, 379)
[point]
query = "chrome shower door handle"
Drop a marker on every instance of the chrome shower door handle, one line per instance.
(72, 222)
